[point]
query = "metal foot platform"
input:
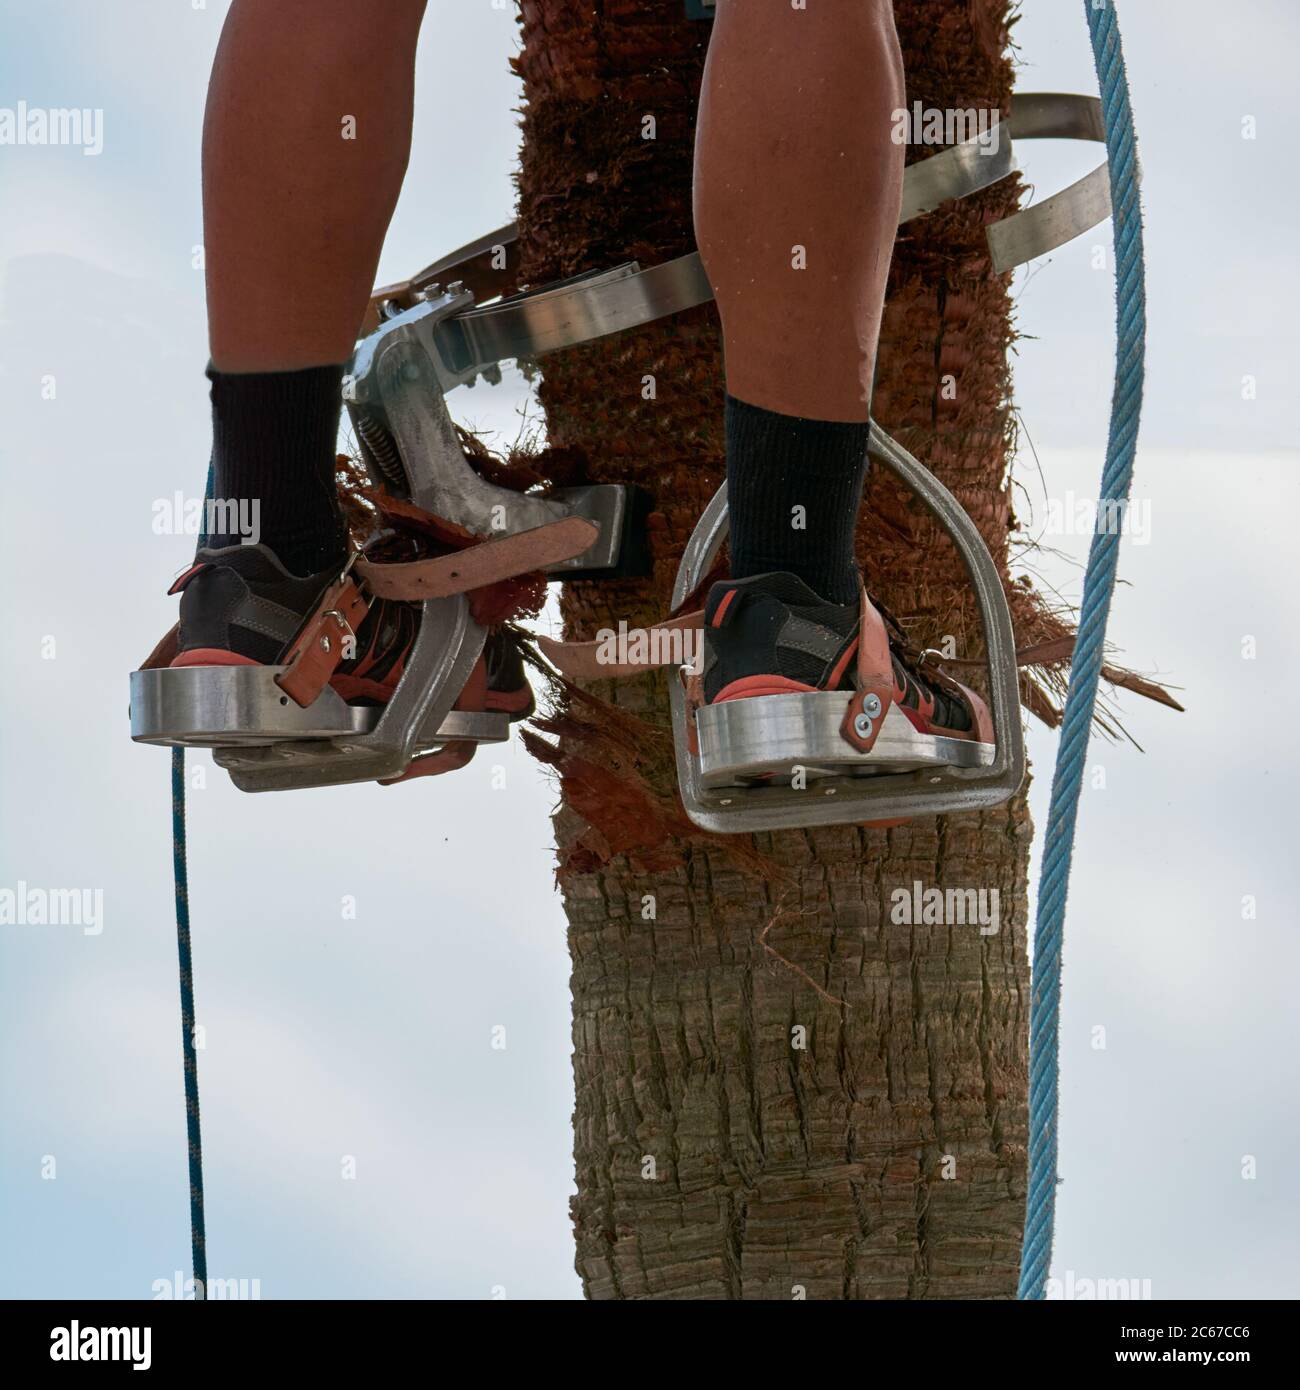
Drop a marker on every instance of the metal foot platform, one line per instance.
(242, 707)
(795, 739)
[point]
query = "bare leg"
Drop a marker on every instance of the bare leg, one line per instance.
(794, 150)
(305, 142)
(798, 184)
(294, 213)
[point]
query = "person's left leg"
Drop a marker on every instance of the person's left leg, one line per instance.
(798, 182)
(798, 185)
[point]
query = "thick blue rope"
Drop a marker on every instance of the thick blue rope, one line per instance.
(1098, 586)
(198, 1243)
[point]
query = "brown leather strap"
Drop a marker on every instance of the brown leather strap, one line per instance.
(315, 653)
(590, 661)
(865, 715)
(504, 557)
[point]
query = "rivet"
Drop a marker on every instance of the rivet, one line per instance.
(872, 705)
(862, 726)
(325, 645)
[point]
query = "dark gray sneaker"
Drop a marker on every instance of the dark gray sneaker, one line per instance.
(241, 607)
(772, 635)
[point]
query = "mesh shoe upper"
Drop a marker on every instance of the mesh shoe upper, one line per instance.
(241, 600)
(772, 632)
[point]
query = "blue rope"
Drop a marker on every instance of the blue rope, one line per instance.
(198, 1243)
(1098, 586)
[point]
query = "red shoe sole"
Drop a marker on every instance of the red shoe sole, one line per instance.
(213, 656)
(750, 686)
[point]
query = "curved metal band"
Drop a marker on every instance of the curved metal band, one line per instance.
(571, 312)
(1074, 210)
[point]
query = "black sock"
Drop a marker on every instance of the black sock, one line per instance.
(274, 441)
(777, 463)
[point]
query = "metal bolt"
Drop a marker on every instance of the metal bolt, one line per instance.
(862, 726)
(872, 705)
(325, 645)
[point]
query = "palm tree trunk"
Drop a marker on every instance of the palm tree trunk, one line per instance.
(740, 1133)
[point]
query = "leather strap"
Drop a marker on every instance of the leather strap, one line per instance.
(870, 702)
(586, 661)
(504, 557)
(316, 651)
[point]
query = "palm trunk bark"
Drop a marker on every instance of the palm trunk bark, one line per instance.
(740, 1134)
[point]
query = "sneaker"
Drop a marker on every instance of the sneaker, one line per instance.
(241, 607)
(772, 635)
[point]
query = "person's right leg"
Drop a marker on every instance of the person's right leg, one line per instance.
(305, 144)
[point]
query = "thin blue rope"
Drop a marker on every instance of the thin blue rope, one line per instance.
(198, 1239)
(1098, 586)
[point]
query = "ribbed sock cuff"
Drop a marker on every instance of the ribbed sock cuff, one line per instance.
(794, 487)
(274, 443)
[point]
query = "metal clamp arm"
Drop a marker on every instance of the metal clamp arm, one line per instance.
(586, 307)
